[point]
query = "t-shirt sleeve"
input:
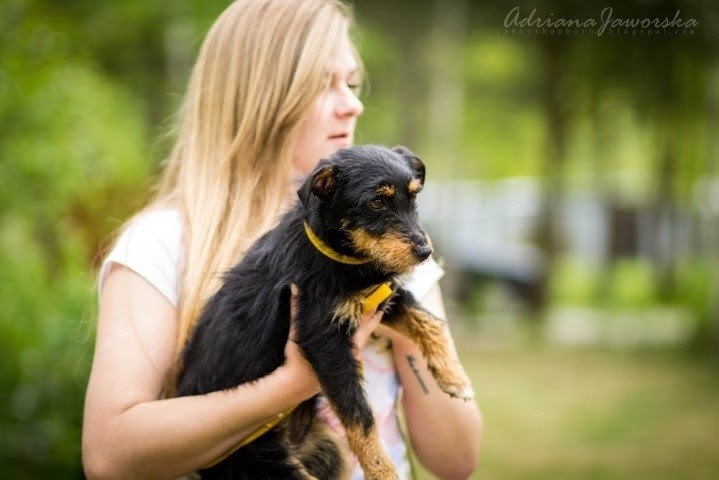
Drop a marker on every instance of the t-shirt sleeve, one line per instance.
(423, 278)
(150, 246)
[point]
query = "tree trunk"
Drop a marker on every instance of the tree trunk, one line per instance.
(552, 61)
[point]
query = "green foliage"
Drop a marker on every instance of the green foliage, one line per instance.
(500, 86)
(72, 154)
(694, 280)
(574, 282)
(378, 124)
(627, 284)
(44, 351)
(631, 284)
(74, 127)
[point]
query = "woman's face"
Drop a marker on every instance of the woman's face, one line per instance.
(330, 122)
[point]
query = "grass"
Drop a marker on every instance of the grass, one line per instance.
(555, 414)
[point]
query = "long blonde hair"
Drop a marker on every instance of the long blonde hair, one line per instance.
(260, 67)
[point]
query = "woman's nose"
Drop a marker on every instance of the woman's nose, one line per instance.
(349, 105)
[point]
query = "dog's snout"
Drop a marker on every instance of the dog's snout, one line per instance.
(421, 247)
(422, 252)
(418, 238)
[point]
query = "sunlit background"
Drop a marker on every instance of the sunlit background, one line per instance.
(572, 194)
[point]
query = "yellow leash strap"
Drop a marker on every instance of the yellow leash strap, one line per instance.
(254, 435)
(328, 252)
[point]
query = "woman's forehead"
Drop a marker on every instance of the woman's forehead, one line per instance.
(344, 60)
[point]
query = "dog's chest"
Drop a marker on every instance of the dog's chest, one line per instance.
(350, 309)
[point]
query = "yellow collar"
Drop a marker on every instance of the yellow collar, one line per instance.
(328, 252)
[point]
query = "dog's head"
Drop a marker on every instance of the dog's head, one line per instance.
(361, 202)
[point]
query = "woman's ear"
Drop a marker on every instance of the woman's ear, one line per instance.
(320, 183)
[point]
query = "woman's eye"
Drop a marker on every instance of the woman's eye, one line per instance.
(354, 87)
(377, 203)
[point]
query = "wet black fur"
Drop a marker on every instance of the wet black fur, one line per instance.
(241, 335)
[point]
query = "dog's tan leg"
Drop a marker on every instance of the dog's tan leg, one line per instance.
(339, 373)
(372, 457)
(429, 333)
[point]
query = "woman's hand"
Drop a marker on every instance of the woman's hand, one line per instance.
(297, 362)
(368, 324)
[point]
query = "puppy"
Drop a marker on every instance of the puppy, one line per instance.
(344, 245)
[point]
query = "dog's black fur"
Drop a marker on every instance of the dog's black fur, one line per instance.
(360, 202)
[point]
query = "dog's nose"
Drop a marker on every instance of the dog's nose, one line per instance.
(422, 252)
(421, 246)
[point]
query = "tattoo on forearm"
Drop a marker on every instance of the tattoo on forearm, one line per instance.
(411, 360)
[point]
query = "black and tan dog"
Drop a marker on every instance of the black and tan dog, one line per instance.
(353, 233)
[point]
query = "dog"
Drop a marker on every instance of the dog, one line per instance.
(351, 235)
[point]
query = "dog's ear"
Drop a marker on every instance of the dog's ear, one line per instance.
(414, 162)
(321, 183)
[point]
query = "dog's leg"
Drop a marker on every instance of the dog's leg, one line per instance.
(408, 317)
(302, 470)
(329, 350)
(268, 456)
(316, 445)
(322, 455)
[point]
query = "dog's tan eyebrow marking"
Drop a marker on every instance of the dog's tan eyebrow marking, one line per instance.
(414, 185)
(386, 190)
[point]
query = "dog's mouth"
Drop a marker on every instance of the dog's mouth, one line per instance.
(391, 251)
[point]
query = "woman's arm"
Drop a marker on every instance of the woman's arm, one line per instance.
(127, 431)
(445, 432)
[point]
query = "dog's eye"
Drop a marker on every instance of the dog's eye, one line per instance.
(377, 203)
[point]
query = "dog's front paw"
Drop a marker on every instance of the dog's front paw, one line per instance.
(463, 391)
(453, 381)
(366, 445)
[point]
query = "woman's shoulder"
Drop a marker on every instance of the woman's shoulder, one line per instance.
(150, 244)
(152, 229)
(160, 219)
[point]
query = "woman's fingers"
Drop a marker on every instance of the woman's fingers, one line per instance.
(368, 324)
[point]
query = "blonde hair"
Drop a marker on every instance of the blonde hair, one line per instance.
(259, 69)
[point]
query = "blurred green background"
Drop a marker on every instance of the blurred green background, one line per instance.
(573, 194)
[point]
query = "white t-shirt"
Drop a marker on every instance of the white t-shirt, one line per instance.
(151, 246)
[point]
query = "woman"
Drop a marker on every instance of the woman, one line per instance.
(273, 90)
